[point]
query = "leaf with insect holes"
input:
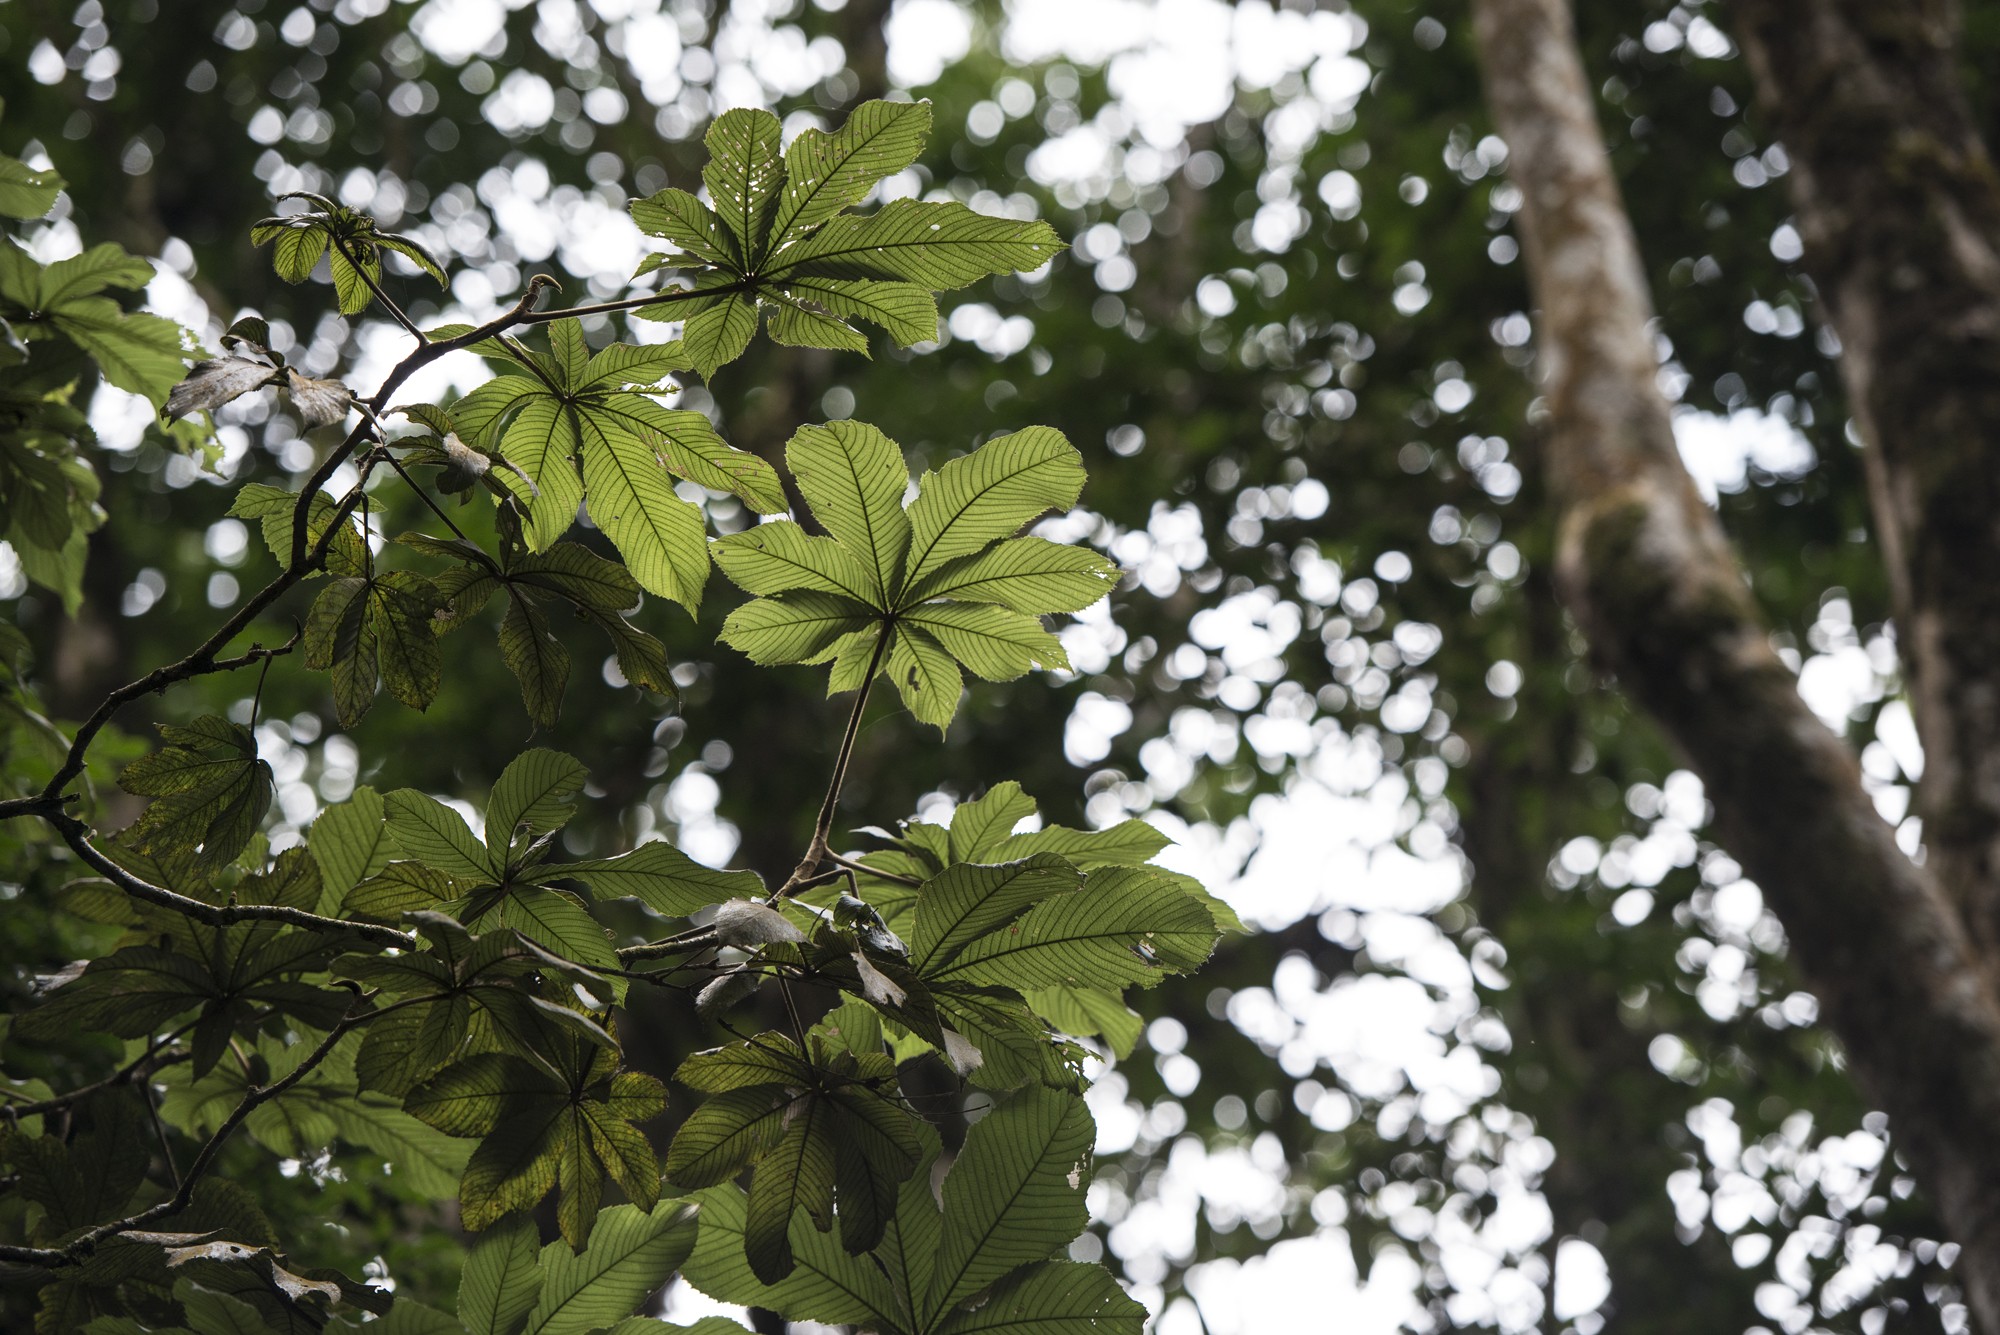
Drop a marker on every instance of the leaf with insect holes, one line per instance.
(779, 237)
(210, 791)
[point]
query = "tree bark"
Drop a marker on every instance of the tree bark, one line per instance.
(1899, 208)
(1645, 567)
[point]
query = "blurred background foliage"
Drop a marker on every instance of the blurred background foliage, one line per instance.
(1509, 1023)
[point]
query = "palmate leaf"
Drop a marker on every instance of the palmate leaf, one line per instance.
(372, 629)
(632, 1252)
(600, 591)
(778, 237)
(552, 416)
(1014, 1196)
(822, 1133)
(558, 1122)
(209, 788)
(944, 580)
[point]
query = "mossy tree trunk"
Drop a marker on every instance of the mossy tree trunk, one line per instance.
(1902, 211)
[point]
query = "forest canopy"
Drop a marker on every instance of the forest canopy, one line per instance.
(1275, 641)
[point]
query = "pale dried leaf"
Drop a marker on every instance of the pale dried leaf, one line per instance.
(213, 383)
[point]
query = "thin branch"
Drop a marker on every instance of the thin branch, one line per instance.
(425, 497)
(160, 1134)
(816, 852)
(700, 938)
(202, 662)
(118, 1077)
(404, 369)
(76, 834)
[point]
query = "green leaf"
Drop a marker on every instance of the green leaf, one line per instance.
(1053, 1298)
(662, 537)
(340, 636)
(1084, 1011)
(631, 1253)
(938, 246)
(1130, 843)
(350, 842)
(980, 825)
(743, 175)
(824, 173)
(558, 922)
(580, 575)
(661, 877)
(348, 262)
(994, 642)
(274, 509)
(425, 1160)
(480, 414)
(298, 251)
(1025, 574)
(799, 326)
(399, 888)
(768, 1059)
(210, 790)
(726, 1134)
(533, 791)
(796, 1175)
(825, 1285)
(853, 476)
(989, 494)
(404, 604)
(1015, 1194)
(541, 443)
(907, 311)
(535, 657)
(720, 333)
(431, 832)
(502, 1279)
(137, 352)
(1127, 925)
(686, 222)
(25, 192)
(689, 447)
(967, 901)
(778, 556)
(415, 254)
(793, 627)
(925, 676)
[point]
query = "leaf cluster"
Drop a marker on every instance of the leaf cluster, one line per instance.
(425, 997)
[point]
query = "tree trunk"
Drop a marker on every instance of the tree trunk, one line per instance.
(1644, 566)
(1899, 208)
